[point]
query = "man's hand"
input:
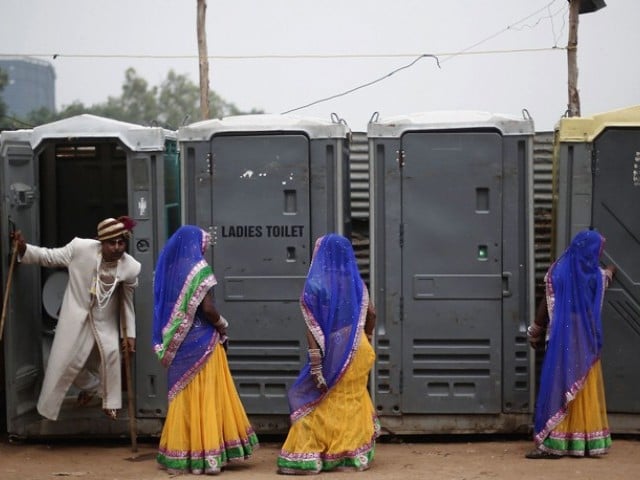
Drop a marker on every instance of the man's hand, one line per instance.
(19, 241)
(129, 345)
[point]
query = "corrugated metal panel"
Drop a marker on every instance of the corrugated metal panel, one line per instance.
(361, 248)
(359, 180)
(359, 173)
(542, 204)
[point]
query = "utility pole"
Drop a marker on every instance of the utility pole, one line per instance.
(576, 7)
(203, 58)
(573, 108)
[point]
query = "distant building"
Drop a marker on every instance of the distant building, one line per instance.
(31, 85)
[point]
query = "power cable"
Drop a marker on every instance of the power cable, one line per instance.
(436, 56)
(461, 52)
(366, 84)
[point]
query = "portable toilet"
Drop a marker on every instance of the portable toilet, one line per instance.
(597, 185)
(58, 181)
(452, 271)
(266, 187)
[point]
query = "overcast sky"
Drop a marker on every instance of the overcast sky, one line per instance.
(279, 55)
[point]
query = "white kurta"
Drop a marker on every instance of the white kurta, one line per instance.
(82, 325)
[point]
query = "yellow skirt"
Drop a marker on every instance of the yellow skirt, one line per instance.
(585, 429)
(341, 430)
(206, 425)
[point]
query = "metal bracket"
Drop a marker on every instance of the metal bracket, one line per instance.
(22, 195)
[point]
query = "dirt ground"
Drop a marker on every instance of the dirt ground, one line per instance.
(478, 458)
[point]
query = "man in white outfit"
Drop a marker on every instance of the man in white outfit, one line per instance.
(85, 350)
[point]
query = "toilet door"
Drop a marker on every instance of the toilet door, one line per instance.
(451, 272)
(21, 339)
(616, 196)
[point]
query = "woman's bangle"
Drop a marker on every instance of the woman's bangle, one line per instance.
(315, 356)
(534, 331)
(222, 322)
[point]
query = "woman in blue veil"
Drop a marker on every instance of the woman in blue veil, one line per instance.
(206, 426)
(571, 414)
(333, 420)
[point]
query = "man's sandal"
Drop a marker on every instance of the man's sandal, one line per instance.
(85, 397)
(112, 413)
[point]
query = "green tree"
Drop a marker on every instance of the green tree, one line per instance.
(41, 116)
(221, 108)
(4, 121)
(44, 115)
(138, 101)
(175, 102)
(178, 101)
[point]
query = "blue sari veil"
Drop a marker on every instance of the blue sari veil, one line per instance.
(575, 291)
(182, 338)
(334, 305)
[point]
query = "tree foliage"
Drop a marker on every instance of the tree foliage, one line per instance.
(173, 103)
(3, 106)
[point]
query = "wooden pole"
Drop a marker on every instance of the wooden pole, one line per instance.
(203, 60)
(573, 107)
(7, 290)
(130, 392)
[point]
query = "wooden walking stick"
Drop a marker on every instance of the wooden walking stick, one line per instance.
(127, 368)
(7, 289)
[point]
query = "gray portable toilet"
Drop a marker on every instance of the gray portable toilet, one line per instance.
(265, 186)
(452, 271)
(58, 181)
(597, 173)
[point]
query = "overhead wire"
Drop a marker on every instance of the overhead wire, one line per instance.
(562, 11)
(500, 32)
(464, 51)
(438, 57)
(448, 55)
(365, 84)
(301, 56)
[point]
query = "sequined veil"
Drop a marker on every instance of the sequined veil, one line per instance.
(334, 305)
(575, 290)
(182, 338)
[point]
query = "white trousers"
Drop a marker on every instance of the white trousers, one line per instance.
(86, 355)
